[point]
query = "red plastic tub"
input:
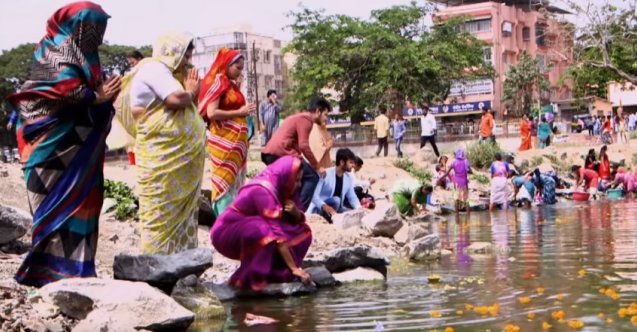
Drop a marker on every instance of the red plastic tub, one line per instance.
(581, 196)
(131, 157)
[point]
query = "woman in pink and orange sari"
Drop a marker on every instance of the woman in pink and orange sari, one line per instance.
(265, 228)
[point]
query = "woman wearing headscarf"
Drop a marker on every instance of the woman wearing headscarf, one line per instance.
(66, 111)
(525, 133)
(169, 144)
(265, 228)
(224, 108)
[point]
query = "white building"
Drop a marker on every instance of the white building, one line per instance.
(271, 71)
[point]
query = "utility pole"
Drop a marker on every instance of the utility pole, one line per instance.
(256, 82)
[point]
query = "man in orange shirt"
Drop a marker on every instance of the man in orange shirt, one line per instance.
(486, 125)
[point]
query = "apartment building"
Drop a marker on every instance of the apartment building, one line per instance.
(511, 27)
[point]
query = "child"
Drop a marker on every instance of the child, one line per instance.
(439, 178)
(461, 168)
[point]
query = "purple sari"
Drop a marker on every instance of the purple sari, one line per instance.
(250, 228)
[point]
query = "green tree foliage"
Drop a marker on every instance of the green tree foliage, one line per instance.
(524, 82)
(605, 46)
(391, 57)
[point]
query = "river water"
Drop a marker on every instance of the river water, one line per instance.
(569, 251)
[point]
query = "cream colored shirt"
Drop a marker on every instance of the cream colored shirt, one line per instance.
(381, 124)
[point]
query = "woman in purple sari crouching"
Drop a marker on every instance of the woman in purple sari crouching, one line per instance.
(265, 228)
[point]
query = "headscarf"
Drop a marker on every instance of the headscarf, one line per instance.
(66, 67)
(459, 153)
(279, 179)
(170, 49)
(216, 81)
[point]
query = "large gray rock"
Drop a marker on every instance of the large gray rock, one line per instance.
(359, 274)
(321, 276)
(402, 236)
(226, 292)
(116, 305)
(480, 248)
(385, 221)
(14, 223)
(191, 294)
(348, 219)
(423, 249)
(342, 259)
(162, 271)
(409, 233)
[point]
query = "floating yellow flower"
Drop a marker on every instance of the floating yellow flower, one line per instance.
(575, 324)
(546, 325)
(436, 314)
(632, 306)
(634, 320)
(612, 294)
(511, 328)
(601, 315)
(622, 312)
(468, 307)
(449, 329)
(581, 272)
(494, 309)
(482, 310)
(609, 321)
(531, 315)
(602, 290)
(459, 312)
(540, 290)
(557, 315)
(560, 297)
(632, 311)
(525, 300)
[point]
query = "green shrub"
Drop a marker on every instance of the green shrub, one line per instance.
(482, 154)
(126, 206)
(537, 161)
(480, 178)
(421, 174)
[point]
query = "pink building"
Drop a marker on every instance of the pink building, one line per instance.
(511, 27)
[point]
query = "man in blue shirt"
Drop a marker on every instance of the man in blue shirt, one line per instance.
(336, 187)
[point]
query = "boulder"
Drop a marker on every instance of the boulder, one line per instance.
(116, 305)
(14, 223)
(426, 248)
(321, 276)
(385, 221)
(479, 248)
(348, 219)
(226, 292)
(194, 296)
(359, 274)
(342, 259)
(416, 232)
(162, 271)
(402, 236)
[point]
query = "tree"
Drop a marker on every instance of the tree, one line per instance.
(391, 57)
(605, 46)
(524, 82)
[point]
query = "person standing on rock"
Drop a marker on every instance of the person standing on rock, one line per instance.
(428, 127)
(169, 145)
(265, 228)
(66, 109)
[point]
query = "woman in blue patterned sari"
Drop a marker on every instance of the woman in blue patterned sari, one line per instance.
(66, 110)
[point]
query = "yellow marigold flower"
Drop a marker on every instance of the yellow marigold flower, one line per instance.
(601, 315)
(609, 321)
(560, 297)
(632, 311)
(575, 324)
(494, 309)
(540, 290)
(602, 290)
(633, 320)
(558, 314)
(546, 325)
(622, 312)
(436, 314)
(468, 307)
(633, 306)
(525, 300)
(459, 312)
(511, 328)
(482, 310)
(531, 315)
(581, 272)
(449, 329)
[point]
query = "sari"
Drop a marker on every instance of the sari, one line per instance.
(250, 229)
(544, 134)
(525, 135)
(170, 155)
(62, 144)
(499, 187)
(227, 143)
(320, 143)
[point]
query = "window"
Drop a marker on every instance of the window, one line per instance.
(277, 65)
(277, 43)
(238, 37)
(541, 62)
(483, 25)
(269, 81)
(507, 28)
(540, 38)
(487, 56)
(267, 56)
(526, 34)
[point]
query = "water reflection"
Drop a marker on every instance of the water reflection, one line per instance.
(570, 250)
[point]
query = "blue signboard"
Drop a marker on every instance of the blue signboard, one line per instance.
(450, 108)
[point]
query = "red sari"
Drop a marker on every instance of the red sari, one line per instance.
(525, 135)
(604, 167)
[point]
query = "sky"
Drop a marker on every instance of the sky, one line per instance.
(139, 22)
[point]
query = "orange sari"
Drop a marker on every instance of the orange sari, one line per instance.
(525, 135)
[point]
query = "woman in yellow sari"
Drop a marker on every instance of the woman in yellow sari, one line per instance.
(169, 144)
(224, 108)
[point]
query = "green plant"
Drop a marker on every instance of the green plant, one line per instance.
(537, 161)
(482, 154)
(421, 174)
(126, 206)
(557, 164)
(480, 178)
